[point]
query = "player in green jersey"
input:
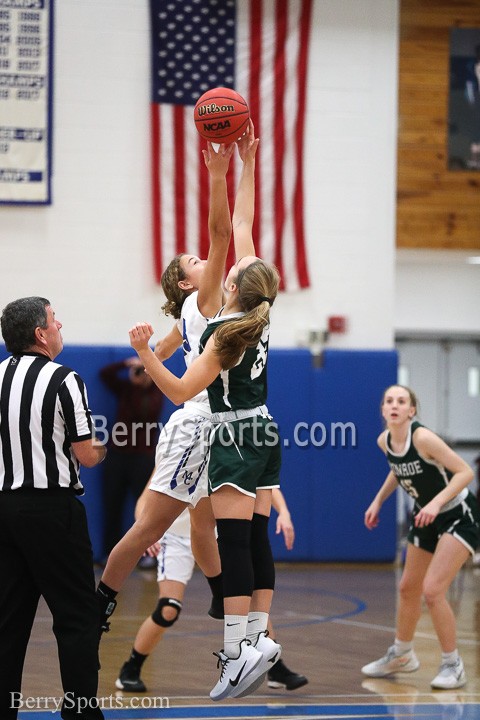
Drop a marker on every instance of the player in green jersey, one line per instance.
(443, 533)
(245, 450)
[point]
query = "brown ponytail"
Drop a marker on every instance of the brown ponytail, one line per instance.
(175, 295)
(257, 289)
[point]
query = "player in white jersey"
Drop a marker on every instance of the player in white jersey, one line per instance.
(175, 567)
(179, 480)
(182, 450)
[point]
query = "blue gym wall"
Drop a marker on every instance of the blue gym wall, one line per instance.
(327, 487)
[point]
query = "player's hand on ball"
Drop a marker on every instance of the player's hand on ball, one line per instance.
(218, 162)
(139, 335)
(247, 144)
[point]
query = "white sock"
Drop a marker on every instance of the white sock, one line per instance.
(234, 631)
(402, 647)
(257, 623)
(450, 658)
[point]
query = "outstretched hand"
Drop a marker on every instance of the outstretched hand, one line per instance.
(217, 162)
(139, 335)
(247, 144)
(372, 514)
(284, 525)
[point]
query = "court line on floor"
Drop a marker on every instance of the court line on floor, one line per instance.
(276, 712)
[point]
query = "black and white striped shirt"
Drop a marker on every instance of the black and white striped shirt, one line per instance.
(43, 409)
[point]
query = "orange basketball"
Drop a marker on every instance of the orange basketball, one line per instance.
(221, 115)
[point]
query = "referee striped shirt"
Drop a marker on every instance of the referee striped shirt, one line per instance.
(43, 409)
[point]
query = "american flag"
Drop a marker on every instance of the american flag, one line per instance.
(259, 48)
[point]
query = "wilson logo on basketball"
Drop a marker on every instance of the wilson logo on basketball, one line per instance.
(212, 127)
(221, 115)
(214, 108)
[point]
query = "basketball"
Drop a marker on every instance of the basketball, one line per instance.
(221, 115)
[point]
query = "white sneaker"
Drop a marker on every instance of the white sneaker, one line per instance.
(271, 652)
(235, 670)
(450, 676)
(391, 663)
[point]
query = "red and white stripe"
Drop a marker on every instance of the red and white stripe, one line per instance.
(271, 64)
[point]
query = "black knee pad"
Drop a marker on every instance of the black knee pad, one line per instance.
(262, 558)
(157, 615)
(235, 555)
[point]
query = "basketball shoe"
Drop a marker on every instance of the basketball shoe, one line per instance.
(280, 676)
(271, 652)
(391, 663)
(129, 679)
(450, 676)
(235, 671)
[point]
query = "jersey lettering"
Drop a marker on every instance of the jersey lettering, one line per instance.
(407, 469)
(187, 477)
(224, 376)
(186, 345)
(261, 359)
(407, 485)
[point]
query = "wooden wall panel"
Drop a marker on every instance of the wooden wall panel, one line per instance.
(436, 207)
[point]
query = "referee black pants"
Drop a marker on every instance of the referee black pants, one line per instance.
(45, 550)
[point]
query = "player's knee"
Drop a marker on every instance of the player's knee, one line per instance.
(409, 588)
(167, 611)
(234, 548)
(202, 519)
(433, 592)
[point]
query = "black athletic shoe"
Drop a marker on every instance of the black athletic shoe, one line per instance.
(129, 679)
(216, 608)
(280, 676)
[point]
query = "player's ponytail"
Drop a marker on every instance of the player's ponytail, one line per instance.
(257, 289)
(172, 275)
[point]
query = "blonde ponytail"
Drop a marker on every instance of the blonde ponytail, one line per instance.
(257, 289)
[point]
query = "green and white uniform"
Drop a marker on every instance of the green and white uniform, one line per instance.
(423, 479)
(245, 446)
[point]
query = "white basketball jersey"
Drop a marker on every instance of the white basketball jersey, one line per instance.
(192, 327)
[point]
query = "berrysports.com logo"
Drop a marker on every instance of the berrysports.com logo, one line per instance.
(50, 703)
(316, 434)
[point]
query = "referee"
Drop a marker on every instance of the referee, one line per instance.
(45, 434)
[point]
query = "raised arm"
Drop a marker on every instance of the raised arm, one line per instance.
(244, 210)
(210, 293)
(197, 377)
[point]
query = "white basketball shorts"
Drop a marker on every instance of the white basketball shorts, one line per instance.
(175, 559)
(181, 457)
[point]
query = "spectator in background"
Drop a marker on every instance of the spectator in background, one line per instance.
(133, 439)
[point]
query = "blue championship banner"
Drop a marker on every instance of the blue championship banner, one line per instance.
(26, 53)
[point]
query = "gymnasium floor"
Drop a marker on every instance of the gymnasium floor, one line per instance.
(330, 619)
